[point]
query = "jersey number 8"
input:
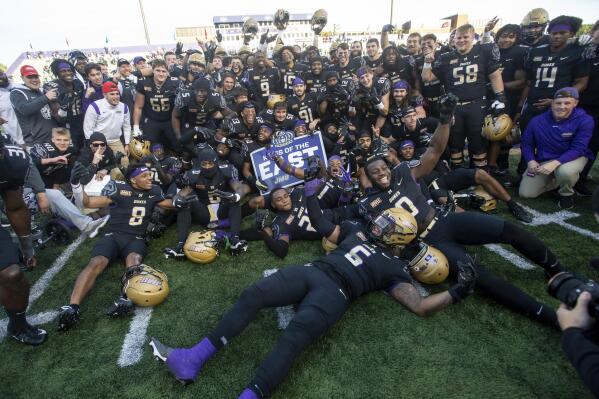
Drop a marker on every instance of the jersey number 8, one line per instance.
(137, 215)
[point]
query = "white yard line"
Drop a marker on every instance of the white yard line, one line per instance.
(135, 339)
(511, 257)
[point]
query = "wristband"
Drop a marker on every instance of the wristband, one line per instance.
(380, 106)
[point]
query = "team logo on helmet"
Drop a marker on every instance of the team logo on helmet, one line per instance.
(497, 128)
(139, 147)
(428, 265)
(201, 247)
(144, 285)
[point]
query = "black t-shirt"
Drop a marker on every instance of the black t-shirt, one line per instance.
(132, 208)
(55, 173)
(548, 72)
(158, 102)
(466, 75)
(295, 223)
(306, 109)
(287, 75)
(360, 266)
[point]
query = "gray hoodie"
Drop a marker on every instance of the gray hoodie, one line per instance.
(33, 113)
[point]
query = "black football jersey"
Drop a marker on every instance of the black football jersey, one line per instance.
(347, 72)
(548, 72)
(261, 84)
(512, 59)
(295, 223)
(194, 114)
(287, 75)
(314, 82)
(237, 129)
(132, 209)
(170, 165)
(425, 127)
(402, 70)
(158, 102)
(334, 193)
(360, 266)
(466, 75)
(403, 192)
(362, 95)
(372, 64)
(205, 186)
(69, 98)
(589, 98)
(15, 166)
(306, 109)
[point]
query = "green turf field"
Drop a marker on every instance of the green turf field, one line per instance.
(475, 349)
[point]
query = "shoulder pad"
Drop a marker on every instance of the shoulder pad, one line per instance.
(413, 163)
(110, 188)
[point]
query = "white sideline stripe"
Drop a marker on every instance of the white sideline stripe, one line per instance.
(284, 313)
(42, 284)
(511, 257)
(35, 320)
(135, 339)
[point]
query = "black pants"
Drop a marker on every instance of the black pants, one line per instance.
(455, 230)
(468, 124)
(198, 213)
(455, 180)
(321, 303)
(161, 132)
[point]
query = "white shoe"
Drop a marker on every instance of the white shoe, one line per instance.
(94, 227)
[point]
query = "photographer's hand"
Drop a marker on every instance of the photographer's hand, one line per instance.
(578, 317)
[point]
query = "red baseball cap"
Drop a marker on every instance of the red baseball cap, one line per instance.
(28, 70)
(109, 87)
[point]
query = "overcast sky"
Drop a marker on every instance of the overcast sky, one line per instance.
(45, 24)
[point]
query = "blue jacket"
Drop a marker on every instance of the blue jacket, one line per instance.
(546, 139)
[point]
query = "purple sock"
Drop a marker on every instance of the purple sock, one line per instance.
(221, 234)
(248, 394)
(204, 349)
(224, 223)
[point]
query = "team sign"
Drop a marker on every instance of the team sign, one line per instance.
(293, 149)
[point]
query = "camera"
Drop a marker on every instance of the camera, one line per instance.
(567, 287)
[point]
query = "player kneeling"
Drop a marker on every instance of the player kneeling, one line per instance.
(125, 239)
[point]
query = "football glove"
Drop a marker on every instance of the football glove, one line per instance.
(466, 280)
(77, 173)
(69, 315)
(121, 307)
(312, 171)
(388, 28)
(184, 202)
(447, 104)
(227, 196)
(260, 218)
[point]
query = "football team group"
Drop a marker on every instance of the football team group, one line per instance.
(404, 129)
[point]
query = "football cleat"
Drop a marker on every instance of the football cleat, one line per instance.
(174, 253)
(120, 307)
(520, 213)
(30, 335)
(238, 247)
(182, 365)
(68, 317)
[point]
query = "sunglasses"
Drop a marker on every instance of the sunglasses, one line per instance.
(32, 77)
(98, 145)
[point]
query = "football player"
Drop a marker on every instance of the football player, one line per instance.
(533, 27)
(372, 58)
(315, 77)
(414, 128)
(241, 129)
(289, 70)
(133, 203)
(431, 90)
(210, 183)
(303, 104)
(371, 99)
(69, 90)
(262, 80)
(154, 103)
(465, 73)
(449, 231)
(164, 169)
(334, 100)
(14, 288)
(323, 291)
(278, 117)
(401, 99)
(395, 67)
(347, 66)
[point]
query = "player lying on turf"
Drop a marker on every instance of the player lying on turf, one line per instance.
(323, 290)
(125, 238)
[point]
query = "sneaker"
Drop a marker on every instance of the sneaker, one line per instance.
(120, 307)
(30, 335)
(68, 317)
(238, 246)
(94, 226)
(566, 202)
(582, 190)
(183, 364)
(520, 213)
(176, 253)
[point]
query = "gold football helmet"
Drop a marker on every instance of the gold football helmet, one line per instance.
(201, 246)
(144, 285)
(497, 128)
(429, 266)
(394, 226)
(139, 147)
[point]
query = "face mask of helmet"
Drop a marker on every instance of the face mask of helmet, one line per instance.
(380, 226)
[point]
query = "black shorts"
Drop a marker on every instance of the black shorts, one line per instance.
(10, 251)
(114, 246)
